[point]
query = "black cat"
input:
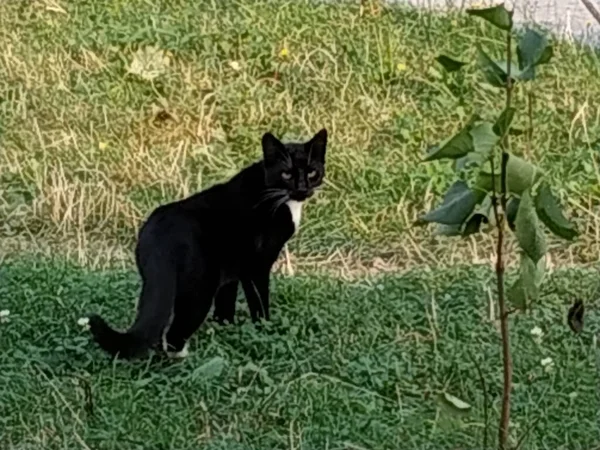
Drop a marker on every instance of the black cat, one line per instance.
(198, 249)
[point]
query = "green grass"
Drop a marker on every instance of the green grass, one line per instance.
(86, 153)
(354, 365)
(88, 149)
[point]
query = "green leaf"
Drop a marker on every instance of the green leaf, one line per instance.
(520, 175)
(473, 225)
(144, 381)
(484, 208)
(448, 230)
(516, 132)
(520, 295)
(483, 141)
(575, 316)
(498, 16)
(470, 160)
(493, 73)
(526, 288)
(457, 146)
(450, 64)
(485, 182)
(458, 204)
(484, 138)
(546, 56)
(528, 230)
(512, 206)
(517, 295)
(515, 73)
(496, 72)
(210, 369)
(549, 211)
(532, 50)
(452, 404)
(502, 125)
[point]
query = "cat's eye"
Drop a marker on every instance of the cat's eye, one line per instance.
(286, 175)
(312, 174)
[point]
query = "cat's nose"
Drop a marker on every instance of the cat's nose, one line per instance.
(302, 194)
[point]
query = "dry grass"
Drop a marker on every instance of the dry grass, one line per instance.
(88, 149)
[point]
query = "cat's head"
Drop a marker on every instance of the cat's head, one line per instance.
(296, 168)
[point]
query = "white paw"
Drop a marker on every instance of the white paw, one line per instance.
(183, 353)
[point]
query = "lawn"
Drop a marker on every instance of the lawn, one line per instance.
(343, 365)
(89, 148)
(375, 320)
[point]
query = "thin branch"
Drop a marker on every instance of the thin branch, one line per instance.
(494, 193)
(506, 356)
(592, 9)
(530, 127)
(500, 267)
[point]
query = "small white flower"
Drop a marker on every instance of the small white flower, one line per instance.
(84, 322)
(536, 331)
(235, 65)
(547, 364)
(4, 313)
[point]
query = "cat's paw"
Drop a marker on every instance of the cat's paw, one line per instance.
(183, 353)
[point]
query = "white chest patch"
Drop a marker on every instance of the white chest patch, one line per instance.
(296, 210)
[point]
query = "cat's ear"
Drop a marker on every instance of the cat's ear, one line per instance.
(317, 146)
(272, 147)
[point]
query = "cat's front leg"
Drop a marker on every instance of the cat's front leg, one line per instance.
(256, 288)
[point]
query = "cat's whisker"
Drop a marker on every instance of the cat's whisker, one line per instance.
(273, 194)
(265, 198)
(270, 196)
(263, 201)
(271, 190)
(278, 205)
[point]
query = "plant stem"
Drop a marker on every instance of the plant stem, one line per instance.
(530, 116)
(506, 355)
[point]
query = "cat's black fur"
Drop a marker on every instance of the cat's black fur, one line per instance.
(198, 249)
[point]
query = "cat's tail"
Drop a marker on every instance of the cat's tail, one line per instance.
(121, 344)
(153, 318)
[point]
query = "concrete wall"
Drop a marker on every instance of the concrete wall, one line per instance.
(568, 18)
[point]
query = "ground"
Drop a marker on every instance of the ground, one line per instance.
(110, 108)
(343, 365)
